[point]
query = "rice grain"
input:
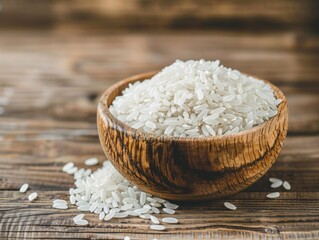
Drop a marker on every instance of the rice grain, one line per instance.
(91, 161)
(273, 195)
(170, 220)
(157, 227)
(32, 196)
(230, 206)
(24, 188)
(287, 185)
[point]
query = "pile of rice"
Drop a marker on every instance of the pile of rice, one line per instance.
(108, 194)
(196, 99)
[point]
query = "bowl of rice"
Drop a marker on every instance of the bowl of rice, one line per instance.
(195, 130)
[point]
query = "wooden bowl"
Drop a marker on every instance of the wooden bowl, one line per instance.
(184, 168)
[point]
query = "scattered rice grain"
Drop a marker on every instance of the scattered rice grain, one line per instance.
(78, 217)
(32, 196)
(170, 220)
(154, 219)
(157, 227)
(91, 161)
(276, 184)
(273, 195)
(68, 166)
(287, 185)
(24, 188)
(60, 206)
(273, 180)
(168, 210)
(81, 222)
(230, 206)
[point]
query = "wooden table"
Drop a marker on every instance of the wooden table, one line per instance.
(50, 83)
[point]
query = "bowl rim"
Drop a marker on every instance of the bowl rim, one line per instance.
(104, 112)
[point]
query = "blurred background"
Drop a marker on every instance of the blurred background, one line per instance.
(147, 15)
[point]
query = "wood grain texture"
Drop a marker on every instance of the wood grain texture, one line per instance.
(190, 168)
(75, 15)
(50, 84)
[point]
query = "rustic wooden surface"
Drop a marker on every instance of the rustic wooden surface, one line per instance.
(49, 88)
(134, 15)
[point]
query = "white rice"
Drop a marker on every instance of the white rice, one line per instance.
(273, 180)
(81, 222)
(276, 184)
(158, 227)
(286, 185)
(170, 205)
(196, 99)
(106, 193)
(71, 170)
(154, 219)
(155, 210)
(60, 201)
(68, 166)
(170, 220)
(60, 206)
(142, 198)
(24, 188)
(78, 217)
(273, 195)
(168, 210)
(121, 215)
(72, 199)
(145, 216)
(32, 196)
(109, 216)
(91, 161)
(230, 206)
(101, 215)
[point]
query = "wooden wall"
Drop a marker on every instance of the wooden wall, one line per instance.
(239, 15)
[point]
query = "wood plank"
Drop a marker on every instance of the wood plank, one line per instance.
(40, 162)
(39, 219)
(44, 60)
(190, 14)
(282, 217)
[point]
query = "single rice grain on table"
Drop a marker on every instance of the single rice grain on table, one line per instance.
(158, 227)
(170, 220)
(154, 219)
(60, 206)
(273, 195)
(273, 180)
(24, 188)
(168, 210)
(81, 222)
(91, 161)
(276, 184)
(68, 166)
(286, 185)
(230, 206)
(60, 201)
(32, 196)
(78, 217)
